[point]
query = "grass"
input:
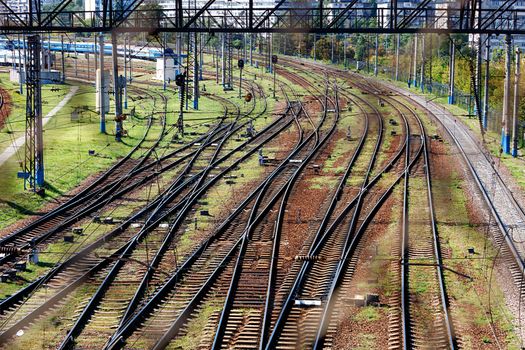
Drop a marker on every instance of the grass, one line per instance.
(66, 158)
(196, 325)
(368, 313)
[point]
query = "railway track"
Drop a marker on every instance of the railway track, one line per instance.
(233, 165)
(192, 290)
(144, 288)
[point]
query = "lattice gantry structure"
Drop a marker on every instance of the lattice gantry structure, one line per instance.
(393, 16)
(34, 147)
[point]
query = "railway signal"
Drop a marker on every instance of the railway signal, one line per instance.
(240, 64)
(180, 81)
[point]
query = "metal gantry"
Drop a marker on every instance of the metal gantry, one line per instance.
(34, 147)
(468, 16)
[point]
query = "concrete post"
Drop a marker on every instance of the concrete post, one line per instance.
(116, 88)
(398, 38)
(164, 62)
(423, 62)
(20, 76)
(96, 56)
(63, 59)
(507, 116)
(452, 64)
(101, 92)
(415, 61)
(223, 59)
(76, 57)
(332, 49)
(126, 41)
(195, 72)
(251, 49)
(515, 116)
(315, 51)
(486, 92)
(178, 50)
(114, 57)
(376, 55)
(345, 61)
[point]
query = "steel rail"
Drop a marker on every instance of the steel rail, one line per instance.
(243, 240)
(21, 294)
(186, 203)
(319, 240)
(252, 222)
(278, 227)
(119, 338)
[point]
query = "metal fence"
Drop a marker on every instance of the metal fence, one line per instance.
(461, 99)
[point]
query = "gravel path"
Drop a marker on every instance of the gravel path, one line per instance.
(19, 142)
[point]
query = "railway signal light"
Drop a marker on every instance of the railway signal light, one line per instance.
(179, 79)
(240, 64)
(274, 59)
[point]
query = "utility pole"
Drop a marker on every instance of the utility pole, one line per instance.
(478, 65)
(125, 87)
(315, 52)
(63, 59)
(251, 49)
(422, 74)
(398, 38)
(34, 147)
(274, 61)
(515, 116)
(345, 61)
(452, 65)
(116, 89)
(376, 55)
(76, 57)
(223, 59)
(332, 52)
(415, 60)
(178, 54)
(20, 79)
(101, 79)
(507, 117)
(486, 92)
(164, 62)
(195, 72)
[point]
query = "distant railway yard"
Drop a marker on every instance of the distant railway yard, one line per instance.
(308, 207)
